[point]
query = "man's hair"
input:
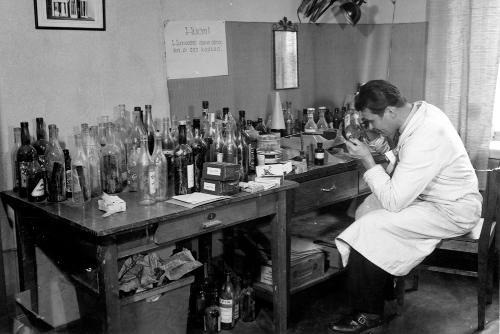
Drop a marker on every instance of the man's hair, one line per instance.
(377, 95)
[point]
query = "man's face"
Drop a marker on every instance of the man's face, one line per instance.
(384, 124)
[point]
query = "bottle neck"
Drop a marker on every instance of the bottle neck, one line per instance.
(40, 130)
(25, 135)
(53, 135)
(182, 134)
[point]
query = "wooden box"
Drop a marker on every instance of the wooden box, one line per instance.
(218, 187)
(223, 171)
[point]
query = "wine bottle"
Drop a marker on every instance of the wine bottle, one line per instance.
(183, 164)
(41, 142)
(67, 171)
(36, 182)
(25, 155)
(160, 169)
(150, 128)
(15, 165)
(145, 174)
(56, 175)
(199, 148)
(80, 174)
(226, 303)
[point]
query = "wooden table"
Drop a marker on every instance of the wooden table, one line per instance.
(80, 232)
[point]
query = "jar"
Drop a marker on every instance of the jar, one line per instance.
(268, 149)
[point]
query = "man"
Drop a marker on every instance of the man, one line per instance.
(429, 192)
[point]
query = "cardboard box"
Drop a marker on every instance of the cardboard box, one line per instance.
(301, 271)
(223, 171)
(218, 187)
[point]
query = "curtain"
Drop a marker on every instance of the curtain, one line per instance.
(463, 50)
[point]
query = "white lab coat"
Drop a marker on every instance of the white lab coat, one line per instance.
(432, 194)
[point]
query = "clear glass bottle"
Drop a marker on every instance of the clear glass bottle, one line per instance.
(219, 143)
(199, 148)
(310, 126)
(161, 169)
(132, 170)
(41, 142)
(93, 152)
(69, 176)
(123, 153)
(322, 124)
(124, 127)
(137, 130)
(25, 155)
(229, 149)
(80, 173)
(226, 304)
(150, 128)
(288, 117)
(183, 164)
(204, 128)
(146, 174)
(243, 152)
(352, 124)
(102, 130)
(210, 137)
(56, 175)
(15, 166)
(111, 164)
(168, 146)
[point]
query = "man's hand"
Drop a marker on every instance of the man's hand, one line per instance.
(360, 151)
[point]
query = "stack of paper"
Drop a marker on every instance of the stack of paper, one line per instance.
(301, 248)
(195, 199)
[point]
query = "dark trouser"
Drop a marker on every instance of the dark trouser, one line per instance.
(368, 285)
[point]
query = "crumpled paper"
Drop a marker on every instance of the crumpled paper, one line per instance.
(111, 204)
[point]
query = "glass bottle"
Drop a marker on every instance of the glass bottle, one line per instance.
(146, 174)
(352, 124)
(168, 146)
(123, 153)
(69, 176)
(189, 130)
(251, 137)
(226, 303)
(94, 156)
(304, 119)
(132, 165)
(80, 173)
(310, 126)
(212, 319)
(219, 143)
(183, 164)
(242, 120)
(102, 130)
(237, 299)
(229, 149)
(322, 124)
(56, 174)
(124, 127)
(150, 128)
(260, 127)
(288, 117)
(41, 142)
(17, 144)
(204, 118)
(319, 155)
(137, 130)
(329, 118)
(243, 153)
(111, 164)
(199, 148)
(36, 182)
(247, 302)
(210, 137)
(161, 169)
(336, 118)
(25, 155)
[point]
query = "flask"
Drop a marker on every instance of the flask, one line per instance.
(199, 148)
(183, 164)
(319, 155)
(161, 169)
(111, 163)
(310, 126)
(247, 301)
(352, 124)
(80, 173)
(36, 182)
(69, 176)
(41, 142)
(145, 174)
(56, 175)
(17, 144)
(226, 304)
(229, 149)
(150, 129)
(25, 155)
(322, 124)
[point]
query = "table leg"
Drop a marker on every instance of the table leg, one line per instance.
(26, 255)
(280, 254)
(108, 286)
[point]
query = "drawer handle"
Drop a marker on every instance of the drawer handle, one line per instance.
(211, 223)
(327, 190)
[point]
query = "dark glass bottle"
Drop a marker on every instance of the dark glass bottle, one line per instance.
(36, 182)
(219, 142)
(337, 118)
(41, 142)
(183, 164)
(247, 301)
(251, 140)
(150, 128)
(67, 170)
(242, 120)
(25, 155)
(243, 152)
(199, 148)
(304, 119)
(329, 117)
(319, 155)
(168, 146)
(226, 303)
(80, 173)
(56, 175)
(209, 137)
(260, 127)
(212, 319)
(17, 144)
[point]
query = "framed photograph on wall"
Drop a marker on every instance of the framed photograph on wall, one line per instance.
(70, 14)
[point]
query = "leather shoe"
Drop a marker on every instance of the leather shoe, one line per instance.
(357, 323)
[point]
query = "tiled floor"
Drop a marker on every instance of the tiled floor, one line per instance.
(443, 304)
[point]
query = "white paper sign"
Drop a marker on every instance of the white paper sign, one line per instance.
(195, 49)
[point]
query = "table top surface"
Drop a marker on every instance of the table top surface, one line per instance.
(88, 217)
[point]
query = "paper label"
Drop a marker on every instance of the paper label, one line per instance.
(39, 190)
(190, 175)
(214, 171)
(209, 186)
(319, 155)
(226, 310)
(152, 181)
(23, 168)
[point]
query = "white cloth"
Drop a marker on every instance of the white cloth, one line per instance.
(432, 194)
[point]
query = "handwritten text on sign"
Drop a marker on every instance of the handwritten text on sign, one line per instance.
(195, 49)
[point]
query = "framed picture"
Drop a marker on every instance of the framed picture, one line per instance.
(70, 14)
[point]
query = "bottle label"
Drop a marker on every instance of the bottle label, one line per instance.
(319, 155)
(226, 310)
(214, 171)
(23, 168)
(152, 181)
(39, 189)
(190, 175)
(209, 186)
(168, 153)
(309, 130)
(220, 157)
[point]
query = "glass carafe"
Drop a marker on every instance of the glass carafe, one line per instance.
(310, 126)
(322, 124)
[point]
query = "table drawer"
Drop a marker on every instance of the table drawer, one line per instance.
(327, 190)
(213, 219)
